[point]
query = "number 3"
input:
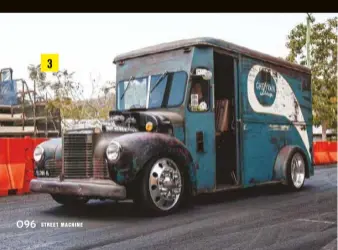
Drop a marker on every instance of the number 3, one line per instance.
(49, 63)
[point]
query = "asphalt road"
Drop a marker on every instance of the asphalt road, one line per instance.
(257, 218)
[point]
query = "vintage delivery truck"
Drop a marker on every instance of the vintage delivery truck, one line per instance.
(192, 116)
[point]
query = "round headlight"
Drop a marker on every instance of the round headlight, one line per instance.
(38, 153)
(113, 151)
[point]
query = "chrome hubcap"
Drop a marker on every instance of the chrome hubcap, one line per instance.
(165, 184)
(297, 170)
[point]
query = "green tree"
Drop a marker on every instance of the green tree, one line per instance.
(65, 94)
(323, 62)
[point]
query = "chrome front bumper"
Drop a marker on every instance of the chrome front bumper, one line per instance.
(83, 187)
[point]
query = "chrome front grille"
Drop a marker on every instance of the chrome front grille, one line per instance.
(78, 161)
(77, 155)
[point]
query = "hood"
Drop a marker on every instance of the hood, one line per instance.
(175, 118)
(141, 116)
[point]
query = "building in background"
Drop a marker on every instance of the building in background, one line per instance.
(331, 135)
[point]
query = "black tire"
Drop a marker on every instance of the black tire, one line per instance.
(69, 201)
(142, 197)
(298, 158)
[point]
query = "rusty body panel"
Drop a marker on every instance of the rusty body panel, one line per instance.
(173, 60)
(153, 145)
(132, 159)
(125, 171)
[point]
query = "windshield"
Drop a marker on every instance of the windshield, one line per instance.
(168, 91)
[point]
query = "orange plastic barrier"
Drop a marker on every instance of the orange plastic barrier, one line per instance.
(332, 148)
(324, 152)
(17, 164)
(5, 183)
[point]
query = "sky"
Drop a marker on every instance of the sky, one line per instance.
(87, 42)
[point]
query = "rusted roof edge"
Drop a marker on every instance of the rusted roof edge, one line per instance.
(212, 42)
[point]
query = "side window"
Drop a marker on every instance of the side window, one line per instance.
(199, 98)
(177, 90)
(156, 97)
(174, 83)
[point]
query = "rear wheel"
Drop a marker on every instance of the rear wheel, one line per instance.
(67, 200)
(296, 171)
(162, 187)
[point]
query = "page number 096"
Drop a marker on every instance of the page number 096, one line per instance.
(25, 224)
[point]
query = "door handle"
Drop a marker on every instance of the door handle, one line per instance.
(199, 141)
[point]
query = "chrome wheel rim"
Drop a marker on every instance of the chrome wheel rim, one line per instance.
(297, 170)
(165, 184)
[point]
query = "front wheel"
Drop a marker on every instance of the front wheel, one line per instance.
(162, 187)
(296, 171)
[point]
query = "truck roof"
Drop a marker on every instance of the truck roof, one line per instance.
(212, 42)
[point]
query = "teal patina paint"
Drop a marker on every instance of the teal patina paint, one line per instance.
(119, 177)
(179, 133)
(204, 122)
(271, 129)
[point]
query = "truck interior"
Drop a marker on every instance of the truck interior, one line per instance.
(225, 121)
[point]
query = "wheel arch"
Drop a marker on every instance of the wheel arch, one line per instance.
(282, 160)
(154, 146)
(186, 164)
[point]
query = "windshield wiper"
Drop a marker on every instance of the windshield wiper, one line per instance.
(159, 80)
(130, 79)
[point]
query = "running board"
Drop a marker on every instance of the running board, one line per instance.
(224, 187)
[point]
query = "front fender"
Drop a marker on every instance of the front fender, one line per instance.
(52, 149)
(140, 148)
